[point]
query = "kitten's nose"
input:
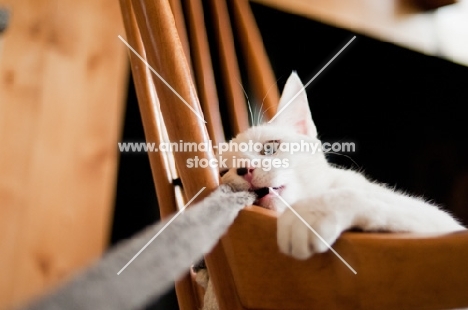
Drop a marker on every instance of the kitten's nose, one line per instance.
(244, 171)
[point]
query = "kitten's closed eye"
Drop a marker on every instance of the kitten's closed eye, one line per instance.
(223, 172)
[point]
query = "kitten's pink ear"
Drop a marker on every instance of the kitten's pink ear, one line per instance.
(293, 109)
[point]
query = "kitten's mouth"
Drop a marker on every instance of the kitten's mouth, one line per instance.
(262, 192)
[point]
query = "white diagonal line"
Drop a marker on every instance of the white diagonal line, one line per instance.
(162, 79)
(162, 229)
(313, 230)
(315, 76)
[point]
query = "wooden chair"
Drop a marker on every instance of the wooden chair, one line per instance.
(393, 270)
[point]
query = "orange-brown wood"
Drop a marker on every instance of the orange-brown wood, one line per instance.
(63, 75)
(222, 279)
(258, 67)
(199, 290)
(234, 95)
(178, 13)
(165, 55)
(203, 70)
(394, 271)
(155, 132)
(150, 113)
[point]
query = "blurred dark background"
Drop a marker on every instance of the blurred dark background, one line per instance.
(402, 109)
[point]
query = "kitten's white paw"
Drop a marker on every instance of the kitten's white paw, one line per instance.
(298, 240)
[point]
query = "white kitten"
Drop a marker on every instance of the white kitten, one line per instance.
(330, 199)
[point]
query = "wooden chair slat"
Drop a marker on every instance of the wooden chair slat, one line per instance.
(203, 70)
(153, 127)
(257, 65)
(234, 95)
(149, 112)
(178, 13)
(166, 56)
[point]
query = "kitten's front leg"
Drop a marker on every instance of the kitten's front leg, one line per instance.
(297, 239)
(371, 210)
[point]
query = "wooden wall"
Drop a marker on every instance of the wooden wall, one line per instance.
(62, 84)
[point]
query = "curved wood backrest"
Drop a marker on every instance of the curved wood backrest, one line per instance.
(156, 30)
(163, 174)
(165, 54)
(150, 112)
(394, 271)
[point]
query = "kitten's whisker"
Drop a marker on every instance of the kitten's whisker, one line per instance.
(260, 113)
(349, 157)
(248, 103)
(269, 88)
(264, 112)
(263, 100)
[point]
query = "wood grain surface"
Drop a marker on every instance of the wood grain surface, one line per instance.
(62, 84)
